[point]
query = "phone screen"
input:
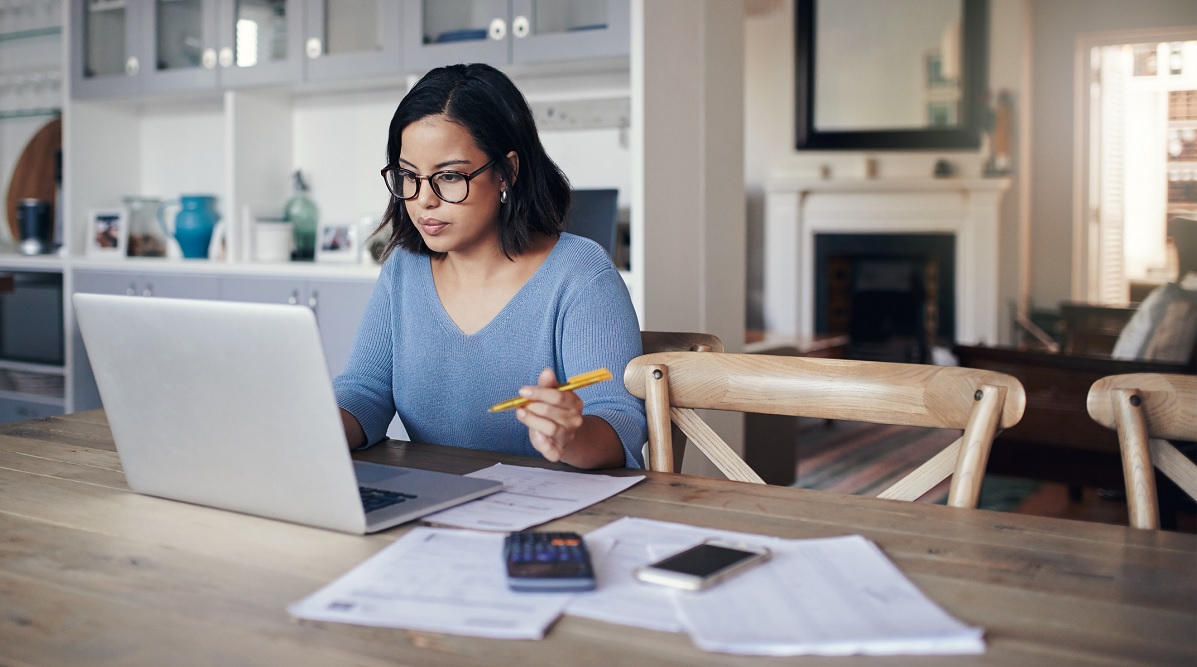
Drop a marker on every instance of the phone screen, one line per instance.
(703, 560)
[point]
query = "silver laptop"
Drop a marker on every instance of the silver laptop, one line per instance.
(230, 405)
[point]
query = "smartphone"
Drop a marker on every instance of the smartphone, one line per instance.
(703, 565)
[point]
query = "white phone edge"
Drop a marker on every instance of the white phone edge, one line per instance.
(690, 582)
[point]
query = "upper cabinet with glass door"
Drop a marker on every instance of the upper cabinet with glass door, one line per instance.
(261, 42)
(129, 47)
(352, 39)
(501, 32)
(105, 47)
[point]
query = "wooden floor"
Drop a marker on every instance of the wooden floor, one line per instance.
(856, 458)
(1053, 500)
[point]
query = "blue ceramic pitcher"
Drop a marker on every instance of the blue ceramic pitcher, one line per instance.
(193, 224)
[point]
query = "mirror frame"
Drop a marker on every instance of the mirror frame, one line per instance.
(974, 44)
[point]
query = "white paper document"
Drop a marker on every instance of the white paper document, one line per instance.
(531, 496)
(437, 580)
(833, 596)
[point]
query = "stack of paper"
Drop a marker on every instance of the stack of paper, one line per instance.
(530, 496)
(834, 596)
(438, 580)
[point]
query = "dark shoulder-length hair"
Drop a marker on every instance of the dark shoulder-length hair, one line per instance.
(484, 101)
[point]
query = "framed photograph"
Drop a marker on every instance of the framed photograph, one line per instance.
(338, 242)
(107, 232)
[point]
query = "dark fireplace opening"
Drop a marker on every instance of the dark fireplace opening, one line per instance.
(894, 295)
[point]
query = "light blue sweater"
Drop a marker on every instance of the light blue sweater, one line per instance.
(573, 315)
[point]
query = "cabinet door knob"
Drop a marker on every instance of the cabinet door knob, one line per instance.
(294, 298)
(314, 48)
(131, 290)
(149, 290)
(226, 57)
(519, 26)
(208, 58)
(314, 300)
(132, 66)
(498, 29)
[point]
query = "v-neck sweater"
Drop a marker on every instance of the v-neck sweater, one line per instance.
(409, 357)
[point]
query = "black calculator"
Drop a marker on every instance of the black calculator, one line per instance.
(547, 561)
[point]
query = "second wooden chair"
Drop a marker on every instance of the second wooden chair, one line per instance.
(981, 403)
(1147, 410)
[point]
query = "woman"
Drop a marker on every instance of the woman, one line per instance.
(482, 294)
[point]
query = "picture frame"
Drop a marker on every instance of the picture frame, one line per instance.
(338, 242)
(107, 232)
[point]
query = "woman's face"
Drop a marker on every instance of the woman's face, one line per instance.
(434, 144)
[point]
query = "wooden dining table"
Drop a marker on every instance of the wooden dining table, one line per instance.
(94, 574)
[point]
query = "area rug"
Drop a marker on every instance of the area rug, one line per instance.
(865, 459)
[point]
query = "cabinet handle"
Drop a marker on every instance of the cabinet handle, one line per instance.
(294, 298)
(208, 58)
(149, 290)
(131, 290)
(226, 57)
(314, 301)
(498, 29)
(314, 48)
(519, 26)
(132, 66)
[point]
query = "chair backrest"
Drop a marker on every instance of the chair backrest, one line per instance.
(1147, 409)
(673, 449)
(674, 384)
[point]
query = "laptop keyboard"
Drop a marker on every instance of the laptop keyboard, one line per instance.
(373, 499)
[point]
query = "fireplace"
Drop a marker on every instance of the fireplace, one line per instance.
(893, 294)
(960, 212)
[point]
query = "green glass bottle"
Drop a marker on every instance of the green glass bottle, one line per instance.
(301, 212)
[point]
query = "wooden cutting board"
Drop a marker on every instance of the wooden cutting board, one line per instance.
(33, 175)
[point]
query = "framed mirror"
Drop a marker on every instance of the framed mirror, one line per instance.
(898, 74)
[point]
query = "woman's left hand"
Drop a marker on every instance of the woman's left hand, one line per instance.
(553, 417)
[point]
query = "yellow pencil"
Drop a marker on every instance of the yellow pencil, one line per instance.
(575, 382)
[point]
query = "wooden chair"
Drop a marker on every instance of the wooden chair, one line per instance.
(1147, 409)
(675, 341)
(674, 384)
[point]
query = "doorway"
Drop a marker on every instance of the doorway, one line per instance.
(1137, 101)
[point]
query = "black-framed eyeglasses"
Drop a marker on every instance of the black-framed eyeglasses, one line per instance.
(451, 186)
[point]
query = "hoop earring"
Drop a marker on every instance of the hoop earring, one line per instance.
(503, 196)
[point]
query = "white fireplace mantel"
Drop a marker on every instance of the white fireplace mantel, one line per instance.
(798, 209)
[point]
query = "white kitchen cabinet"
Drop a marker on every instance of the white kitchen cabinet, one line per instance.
(337, 302)
(352, 39)
(132, 47)
(514, 32)
(132, 283)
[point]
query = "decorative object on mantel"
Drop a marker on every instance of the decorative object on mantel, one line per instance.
(943, 169)
(870, 167)
(998, 134)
